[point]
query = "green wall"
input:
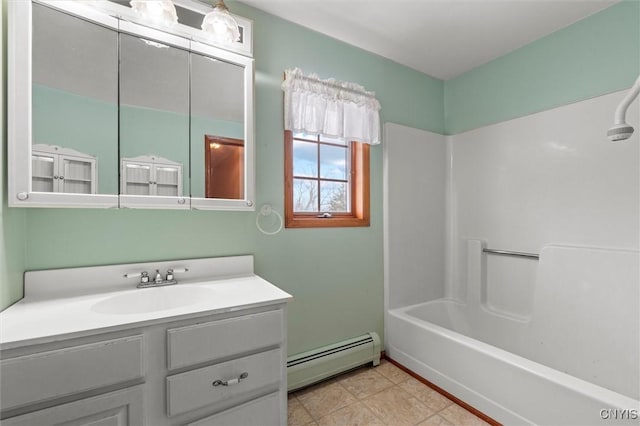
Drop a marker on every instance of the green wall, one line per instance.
(594, 56)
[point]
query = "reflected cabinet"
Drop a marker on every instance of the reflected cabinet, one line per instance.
(107, 110)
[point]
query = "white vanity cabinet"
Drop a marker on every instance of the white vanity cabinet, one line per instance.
(214, 370)
(167, 358)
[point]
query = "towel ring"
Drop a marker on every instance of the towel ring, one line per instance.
(267, 210)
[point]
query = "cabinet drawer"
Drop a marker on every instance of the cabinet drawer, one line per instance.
(263, 411)
(195, 389)
(209, 341)
(46, 375)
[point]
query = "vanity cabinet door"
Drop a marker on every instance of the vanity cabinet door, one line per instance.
(120, 408)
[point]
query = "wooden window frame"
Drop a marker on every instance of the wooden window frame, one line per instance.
(359, 197)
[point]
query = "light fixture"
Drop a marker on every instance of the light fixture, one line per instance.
(158, 11)
(220, 24)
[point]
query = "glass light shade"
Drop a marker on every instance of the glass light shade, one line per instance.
(158, 11)
(220, 24)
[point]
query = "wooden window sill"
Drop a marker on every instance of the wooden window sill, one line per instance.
(330, 222)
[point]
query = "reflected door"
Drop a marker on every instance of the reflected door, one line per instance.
(224, 167)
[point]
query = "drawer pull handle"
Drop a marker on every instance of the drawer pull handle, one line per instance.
(232, 381)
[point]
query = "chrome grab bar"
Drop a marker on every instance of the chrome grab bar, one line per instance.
(511, 253)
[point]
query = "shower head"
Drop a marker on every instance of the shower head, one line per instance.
(621, 130)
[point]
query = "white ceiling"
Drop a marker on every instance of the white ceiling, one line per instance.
(442, 38)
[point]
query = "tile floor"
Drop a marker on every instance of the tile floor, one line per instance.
(372, 396)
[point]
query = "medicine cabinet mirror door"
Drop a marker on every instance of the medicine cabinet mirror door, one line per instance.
(154, 121)
(222, 147)
(63, 121)
(106, 112)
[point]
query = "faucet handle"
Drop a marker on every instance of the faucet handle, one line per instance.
(144, 276)
(172, 271)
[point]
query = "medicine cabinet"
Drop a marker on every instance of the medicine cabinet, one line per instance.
(107, 110)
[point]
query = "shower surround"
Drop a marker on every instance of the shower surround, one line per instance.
(526, 341)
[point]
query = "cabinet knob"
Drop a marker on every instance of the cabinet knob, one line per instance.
(181, 200)
(249, 203)
(22, 196)
(231, 382)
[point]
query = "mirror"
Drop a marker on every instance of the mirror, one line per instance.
(75, 105)
(217, 128)
(154, 119)
(111, 111)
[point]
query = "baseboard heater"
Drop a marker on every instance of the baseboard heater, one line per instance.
(313, 366)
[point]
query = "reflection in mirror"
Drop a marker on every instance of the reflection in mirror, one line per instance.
(217, 124)
(154, 118)
(75, 104)
(224, 167)
(148, 175)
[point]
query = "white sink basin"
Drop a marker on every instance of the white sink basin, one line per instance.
(153, 299)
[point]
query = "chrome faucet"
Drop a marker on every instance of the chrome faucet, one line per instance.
(158, 281)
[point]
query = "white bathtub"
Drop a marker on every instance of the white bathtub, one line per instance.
(428, 339)
(573, 362)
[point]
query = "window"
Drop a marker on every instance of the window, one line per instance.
(326, 182)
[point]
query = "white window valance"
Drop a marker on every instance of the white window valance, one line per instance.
(330, 108)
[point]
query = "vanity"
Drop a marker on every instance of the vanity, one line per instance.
(86, 346)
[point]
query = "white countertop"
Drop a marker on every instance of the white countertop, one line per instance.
(35, 320)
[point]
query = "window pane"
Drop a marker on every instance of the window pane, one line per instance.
(334, 197)
(333, 162)
(305, 159)
(305, 195)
